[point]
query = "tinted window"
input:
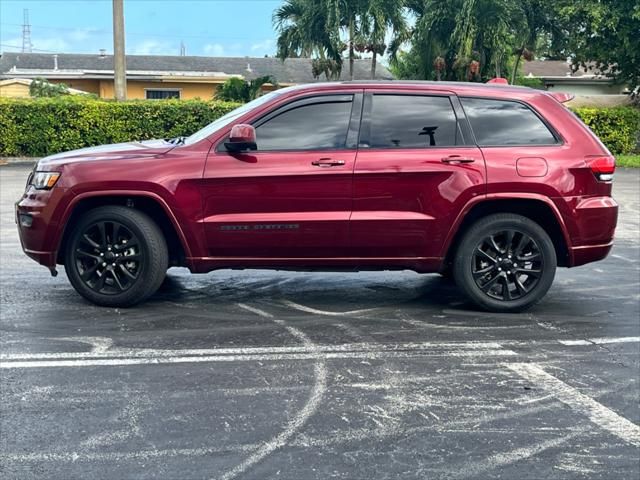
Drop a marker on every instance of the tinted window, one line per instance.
(499, 122)
(317, 126)
(408, 121)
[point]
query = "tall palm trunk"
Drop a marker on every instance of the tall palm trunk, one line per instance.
(374, 61)
(514, 73)
(351, 40)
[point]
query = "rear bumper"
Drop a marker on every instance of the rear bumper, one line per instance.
(589, 253)
(592, 229)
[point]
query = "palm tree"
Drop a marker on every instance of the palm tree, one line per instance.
(380, 17)
(236, 89)
(302, 27)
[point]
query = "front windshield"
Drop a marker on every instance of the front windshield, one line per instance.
(229, 117)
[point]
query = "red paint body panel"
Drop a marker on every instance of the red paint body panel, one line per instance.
(379, 208)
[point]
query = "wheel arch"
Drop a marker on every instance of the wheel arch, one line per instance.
(539, 210)
(146, 202)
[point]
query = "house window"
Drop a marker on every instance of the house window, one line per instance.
(162, 93)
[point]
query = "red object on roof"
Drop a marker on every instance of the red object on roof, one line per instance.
(499, 80)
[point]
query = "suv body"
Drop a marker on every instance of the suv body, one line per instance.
(353, 175)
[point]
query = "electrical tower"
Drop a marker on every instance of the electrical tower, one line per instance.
(26, 33)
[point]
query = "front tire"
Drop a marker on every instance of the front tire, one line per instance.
(505, 263)
(116, 256)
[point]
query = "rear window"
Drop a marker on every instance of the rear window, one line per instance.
(503, 122)
(411, 121)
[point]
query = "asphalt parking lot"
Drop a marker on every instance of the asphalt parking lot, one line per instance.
(259, 374)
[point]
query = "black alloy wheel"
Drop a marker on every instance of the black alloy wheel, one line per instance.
(116, 256)
(108, 257)
(505, 263)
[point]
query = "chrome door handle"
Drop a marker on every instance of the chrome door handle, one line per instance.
(458, 159)
(327, 162)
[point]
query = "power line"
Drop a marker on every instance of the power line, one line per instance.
(18, 47)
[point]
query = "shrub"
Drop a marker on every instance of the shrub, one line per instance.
(44, 126)
(40, 87)
(617, 127)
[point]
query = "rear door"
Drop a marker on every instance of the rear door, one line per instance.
(292, 197)
(416, 168)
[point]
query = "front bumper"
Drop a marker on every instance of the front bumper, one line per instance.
(37, 224)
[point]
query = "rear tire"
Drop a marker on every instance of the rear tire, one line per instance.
(116, 256)
(505, 263)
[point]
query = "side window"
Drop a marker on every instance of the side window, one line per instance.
(316, 126)
(500, 122)
(411, 121)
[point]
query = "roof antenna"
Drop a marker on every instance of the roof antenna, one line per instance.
(26, 33)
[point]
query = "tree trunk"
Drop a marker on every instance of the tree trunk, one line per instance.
(351, 35)
(515, 67)
(374, 61)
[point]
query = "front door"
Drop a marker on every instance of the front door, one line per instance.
(417, 166)
(292, 197)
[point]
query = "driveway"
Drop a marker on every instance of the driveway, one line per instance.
(259, 374)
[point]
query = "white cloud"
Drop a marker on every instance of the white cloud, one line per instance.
(152, 47)
(213, 49)
(264, 47)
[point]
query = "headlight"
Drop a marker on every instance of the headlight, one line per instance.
(44, 180)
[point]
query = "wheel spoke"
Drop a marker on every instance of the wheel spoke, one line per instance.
(521, 288)
(99, 285)
(89, 272)
(116, 230)
(530, 258)
(103, 234)
(535, 273)
(523, 242)
(494, 245)
(86, 238)
(485, 287)
(133, 256)
(486, 255)
(510, 234)
(481, 273)
(126, 271)
(505, 288)
(93, 256)
(115, 277)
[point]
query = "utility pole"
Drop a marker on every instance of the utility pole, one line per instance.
(119, 61)
(26, 33)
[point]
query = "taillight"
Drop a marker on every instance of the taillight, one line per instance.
(602, 166)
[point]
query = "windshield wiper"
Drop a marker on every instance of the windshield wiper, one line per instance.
(175, 141)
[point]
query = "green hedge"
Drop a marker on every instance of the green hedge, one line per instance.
(39, 127)
(617, 127)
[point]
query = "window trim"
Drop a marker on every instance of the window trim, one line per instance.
(559, 139)
(463, 129)
(353, 127)
(179, 90)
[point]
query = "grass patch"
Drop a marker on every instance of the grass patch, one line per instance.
(628, 161)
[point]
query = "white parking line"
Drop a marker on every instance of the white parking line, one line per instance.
(304, 308)
(600, 341)
(382, 352)
(596, 412)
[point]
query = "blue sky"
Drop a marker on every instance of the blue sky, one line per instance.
(207, 27)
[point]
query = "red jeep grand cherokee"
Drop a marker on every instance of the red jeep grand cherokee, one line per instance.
(495, 185)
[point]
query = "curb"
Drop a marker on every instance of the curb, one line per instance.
(22, 161)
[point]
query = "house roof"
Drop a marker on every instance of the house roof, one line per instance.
(560, 69)
(72, 65)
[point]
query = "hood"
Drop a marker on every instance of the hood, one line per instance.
(116, 151)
